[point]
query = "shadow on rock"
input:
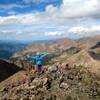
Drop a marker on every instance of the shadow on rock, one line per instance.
(7, 69)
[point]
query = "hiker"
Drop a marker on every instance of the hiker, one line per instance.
(38, 58)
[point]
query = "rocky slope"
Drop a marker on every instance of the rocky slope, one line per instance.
(57, 82)
(88, 42)
(7, 69)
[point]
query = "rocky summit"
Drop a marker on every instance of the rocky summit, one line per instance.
(56, 82)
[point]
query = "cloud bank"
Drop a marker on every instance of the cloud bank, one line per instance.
(73, 17)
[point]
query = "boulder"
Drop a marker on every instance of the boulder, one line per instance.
(64, 85)
(37, 82)
(45, 80)
(52, 69)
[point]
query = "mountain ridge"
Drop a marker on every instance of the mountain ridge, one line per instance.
(71, 72)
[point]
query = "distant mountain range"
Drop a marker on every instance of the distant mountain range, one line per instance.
(7, 49)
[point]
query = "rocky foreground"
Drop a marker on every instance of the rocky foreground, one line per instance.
(57, 82)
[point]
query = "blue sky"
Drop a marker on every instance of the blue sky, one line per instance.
(25, 6)
(28, 20)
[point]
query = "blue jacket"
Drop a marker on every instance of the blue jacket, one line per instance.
(39, 58)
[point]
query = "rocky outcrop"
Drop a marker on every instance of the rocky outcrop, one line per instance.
(96, 46)
(94, 55)
(55, 83)
(73, 50)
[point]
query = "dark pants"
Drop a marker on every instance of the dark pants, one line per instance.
(39, 68)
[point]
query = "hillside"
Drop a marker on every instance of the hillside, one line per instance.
(57, 45)
(7, 69)
(71, 72)
(82, 52)
(7, 49)
(88, 42)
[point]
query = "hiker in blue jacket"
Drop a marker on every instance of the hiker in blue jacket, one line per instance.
(38, 58)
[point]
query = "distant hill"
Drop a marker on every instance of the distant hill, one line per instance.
(7, 49)
(51, 46)
(88, 42)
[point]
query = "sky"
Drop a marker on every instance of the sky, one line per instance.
(29, 20)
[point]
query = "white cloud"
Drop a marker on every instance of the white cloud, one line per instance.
(78, 30)
(69, 9)
(84, 30)
(51, 9)
(80, 8)
(10, 6)
(39, 1)
(56, 33)
(20, 19)
(12, 12)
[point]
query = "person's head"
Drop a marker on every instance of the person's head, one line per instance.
(37, 53)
